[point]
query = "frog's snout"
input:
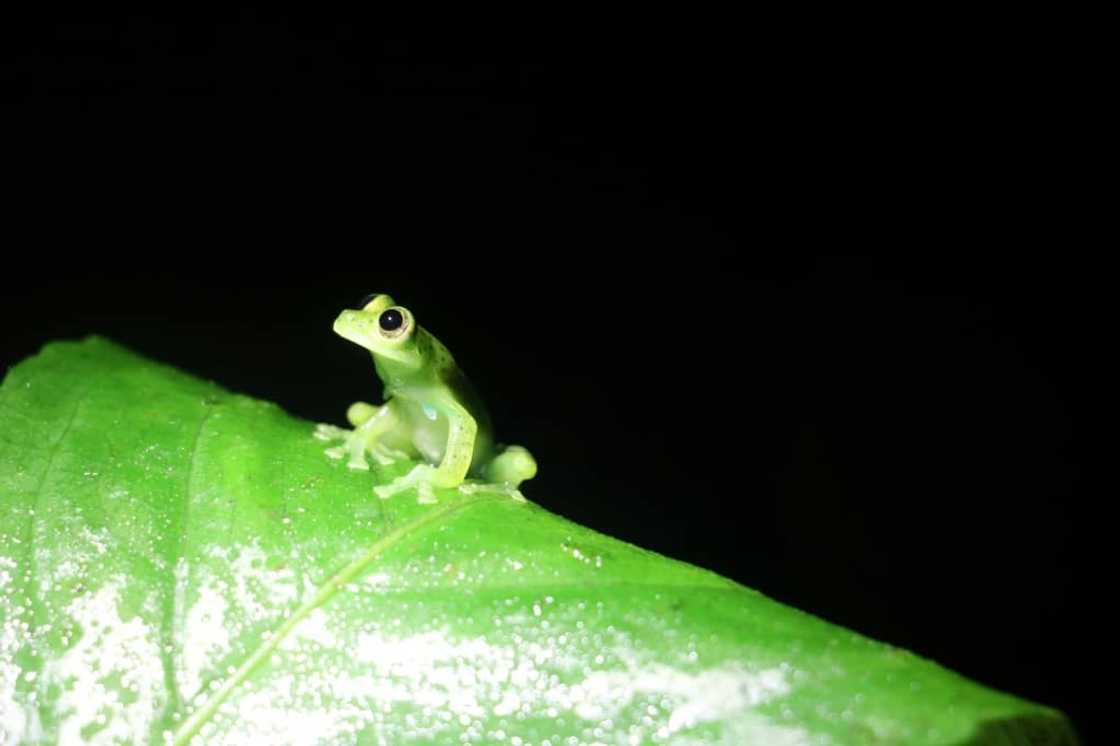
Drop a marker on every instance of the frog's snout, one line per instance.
(351, 325)
(343, 318)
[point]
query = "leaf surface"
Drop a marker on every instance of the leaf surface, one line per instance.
(181, 564)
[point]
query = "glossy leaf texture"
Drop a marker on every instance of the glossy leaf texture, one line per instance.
(181, 564)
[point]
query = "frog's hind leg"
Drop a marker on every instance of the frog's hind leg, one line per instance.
(511, 467)
(359, 412)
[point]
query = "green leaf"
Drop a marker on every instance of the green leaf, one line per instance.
(183, 564)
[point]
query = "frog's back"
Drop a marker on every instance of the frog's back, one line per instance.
(467, 395)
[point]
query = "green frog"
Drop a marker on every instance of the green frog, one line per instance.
(431, 412)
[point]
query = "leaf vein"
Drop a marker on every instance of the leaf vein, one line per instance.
(198, 718)
(174, 613)
(32, 549)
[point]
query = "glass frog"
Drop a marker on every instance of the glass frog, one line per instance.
(431, 411)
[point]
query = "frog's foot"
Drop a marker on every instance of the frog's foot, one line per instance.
(419, 477)
(385, 455)
(349, 445)
(502, 488)
(425, 495)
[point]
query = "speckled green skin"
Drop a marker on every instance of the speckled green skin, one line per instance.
(181, 564)
(431, 411)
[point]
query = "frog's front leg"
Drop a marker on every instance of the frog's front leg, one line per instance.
(358, 413)
(419, 476)
(371, 423)
(456, 462)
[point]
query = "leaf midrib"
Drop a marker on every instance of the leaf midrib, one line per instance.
(173, 615)
(40, 512)
(191, 725)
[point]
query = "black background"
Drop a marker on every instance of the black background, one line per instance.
(806, 315)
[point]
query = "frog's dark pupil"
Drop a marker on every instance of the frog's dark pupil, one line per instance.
(390, 320)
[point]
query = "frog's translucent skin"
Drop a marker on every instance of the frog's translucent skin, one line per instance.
(431, 411)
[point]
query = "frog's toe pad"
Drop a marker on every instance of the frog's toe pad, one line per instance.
(419, 477)
(425, 495)
(326, 432)
(424, 492)
(473, 488)
(400, 484)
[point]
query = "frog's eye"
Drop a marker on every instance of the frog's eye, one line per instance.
(393, 322)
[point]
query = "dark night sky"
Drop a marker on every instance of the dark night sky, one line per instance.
(810, 321)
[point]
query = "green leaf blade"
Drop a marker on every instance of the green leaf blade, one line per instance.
(182, 564)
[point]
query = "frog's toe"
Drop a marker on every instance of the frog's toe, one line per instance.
(425, 495)
(326, 432)
(400, 484)
(381, 457)
(419, 477)
(336, 453)
(502, 488)
(386, 455)
(357, 462)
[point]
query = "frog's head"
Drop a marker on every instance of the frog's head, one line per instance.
(385, 329)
